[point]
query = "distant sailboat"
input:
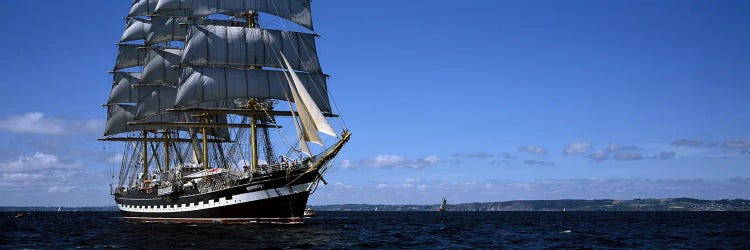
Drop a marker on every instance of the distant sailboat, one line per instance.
(442, 205)
(58, 209)
(309, 212)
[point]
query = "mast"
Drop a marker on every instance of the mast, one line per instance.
(166, 151)
(145, 155)
(205, 142)
(254, 142)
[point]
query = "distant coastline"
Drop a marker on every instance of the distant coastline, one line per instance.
(668, 204)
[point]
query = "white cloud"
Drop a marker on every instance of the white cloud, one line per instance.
(663, 155)
(473, 155)
(39, 123)
(628, 156)
(538, 163)
(391, 161)
(737, 143)
(509, 156)
(687, 142)
(37, 162)
(531, 149)
(33, 123)
(599, 155)
(60, 189)
(41, 176)
(117, 159)
(618, 147)
(347, 164)
(579, 147)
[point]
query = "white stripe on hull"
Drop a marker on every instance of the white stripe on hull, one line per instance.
(289, 220)
(236, 199)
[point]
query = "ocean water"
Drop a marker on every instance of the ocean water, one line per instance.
(388, 230)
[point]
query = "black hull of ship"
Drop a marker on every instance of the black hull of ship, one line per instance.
(279, 198)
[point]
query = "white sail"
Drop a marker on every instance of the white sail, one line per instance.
(159, 67)
(297, 11)
(201, 85)
(142, 7)
(154, 100)
(308, 131)
(165, 29)
(158, 29)
(118, 117)
(136, 29)
(241, 46)
(130, 55)
(123, 90)
(321, 124)
(301, 138)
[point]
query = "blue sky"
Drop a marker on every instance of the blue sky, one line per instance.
(476, 101)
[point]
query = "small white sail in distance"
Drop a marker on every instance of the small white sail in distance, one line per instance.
(320, 122)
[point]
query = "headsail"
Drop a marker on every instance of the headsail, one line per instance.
(305, 100)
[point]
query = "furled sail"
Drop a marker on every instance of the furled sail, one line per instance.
(159, 67)
(242, 46)
(306, 101)
(123, 90)
(130, 55)
(297, 11)
(203, 84)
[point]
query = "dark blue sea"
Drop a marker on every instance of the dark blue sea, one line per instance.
(389, 230)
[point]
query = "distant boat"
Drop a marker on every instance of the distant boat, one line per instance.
(442, 205)
(309, 212)
(376, 209)
(21, 215)
(58, 209)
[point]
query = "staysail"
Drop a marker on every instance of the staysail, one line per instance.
(303, 98)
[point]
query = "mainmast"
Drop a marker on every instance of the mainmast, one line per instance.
(252, 22)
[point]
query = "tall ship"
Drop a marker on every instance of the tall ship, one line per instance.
(219, 112)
